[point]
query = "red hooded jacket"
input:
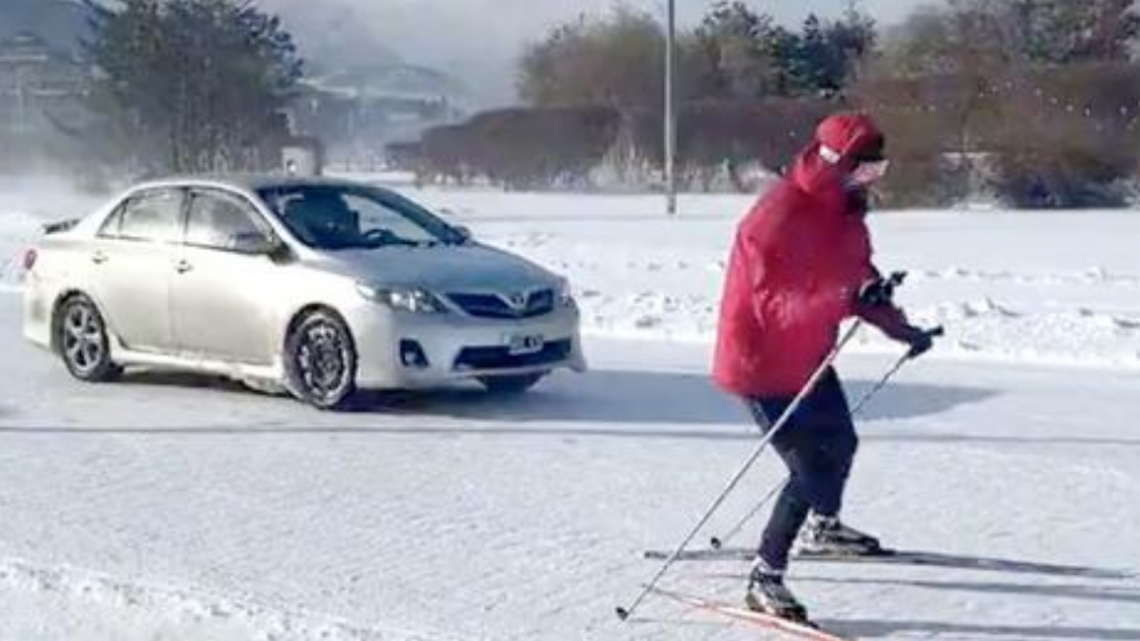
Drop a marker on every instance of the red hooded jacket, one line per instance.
(798, 262)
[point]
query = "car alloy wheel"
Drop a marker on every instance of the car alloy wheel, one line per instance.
(322, 361)
(82, 341)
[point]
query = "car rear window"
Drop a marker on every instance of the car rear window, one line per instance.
(152, 216)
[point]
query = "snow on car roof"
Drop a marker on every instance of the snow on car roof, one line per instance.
(248, 182)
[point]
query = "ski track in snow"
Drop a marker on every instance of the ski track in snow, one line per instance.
(179, 508)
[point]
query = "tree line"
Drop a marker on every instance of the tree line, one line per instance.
(189, 85)
(1033, 102)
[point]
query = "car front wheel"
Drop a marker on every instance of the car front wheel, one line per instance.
(320, 360)
(81, 336)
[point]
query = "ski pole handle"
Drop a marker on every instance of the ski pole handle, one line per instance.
(880, 291)
(922, 341)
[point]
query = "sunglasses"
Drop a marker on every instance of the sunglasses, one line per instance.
(867, 173)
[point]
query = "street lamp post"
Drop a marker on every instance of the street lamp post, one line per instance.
(670, 110)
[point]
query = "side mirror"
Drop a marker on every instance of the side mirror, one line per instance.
(257, 244)
(279, 252)
(464, 232)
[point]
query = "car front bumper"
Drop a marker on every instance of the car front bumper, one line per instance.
(398, 350)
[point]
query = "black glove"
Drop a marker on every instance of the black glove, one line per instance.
(921, 340)
(880, 292)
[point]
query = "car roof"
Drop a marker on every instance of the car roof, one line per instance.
(250, 182)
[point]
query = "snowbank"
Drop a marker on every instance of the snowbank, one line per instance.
(1027, 287)
(1021, 287)
(86, 606)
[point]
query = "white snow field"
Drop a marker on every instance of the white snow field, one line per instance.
(182, 508)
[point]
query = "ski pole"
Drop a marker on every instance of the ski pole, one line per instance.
(932, 333)
(625, 613)
(718, 542)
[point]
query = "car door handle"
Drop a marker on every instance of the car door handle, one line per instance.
(98, 258)
(183, 266)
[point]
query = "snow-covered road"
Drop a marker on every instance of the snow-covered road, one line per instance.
(157, 510)
(181, 508)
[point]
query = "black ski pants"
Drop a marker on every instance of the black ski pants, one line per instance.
(817, 445)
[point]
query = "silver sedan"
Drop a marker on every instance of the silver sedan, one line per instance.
(314, 286)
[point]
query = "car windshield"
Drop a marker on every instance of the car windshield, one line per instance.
(342, 217)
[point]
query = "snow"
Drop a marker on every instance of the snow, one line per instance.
(176, 507)
(104, 608)
(1047, 288)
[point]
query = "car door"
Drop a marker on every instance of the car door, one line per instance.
(131, 263)
(223, 286)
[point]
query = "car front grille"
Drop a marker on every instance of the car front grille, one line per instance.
(479, 358)
(523, 305)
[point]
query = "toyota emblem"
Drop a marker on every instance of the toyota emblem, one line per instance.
(518, 301)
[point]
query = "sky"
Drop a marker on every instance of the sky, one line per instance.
(479, 41)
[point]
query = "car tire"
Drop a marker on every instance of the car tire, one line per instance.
(511, 385)
(81, 337)
(320, 361)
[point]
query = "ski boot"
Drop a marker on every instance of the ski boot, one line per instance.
(767, 594)
(826, 536)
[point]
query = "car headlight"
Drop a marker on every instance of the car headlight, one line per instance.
(405, 299)
(565, 293)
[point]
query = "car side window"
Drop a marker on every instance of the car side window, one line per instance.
(110, 226)
(219, 220)
(154, 216)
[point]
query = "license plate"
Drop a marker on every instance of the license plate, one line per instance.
(520, 344)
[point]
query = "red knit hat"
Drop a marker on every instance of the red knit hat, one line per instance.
(853, 136)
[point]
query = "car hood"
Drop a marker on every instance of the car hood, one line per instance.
(443, 268)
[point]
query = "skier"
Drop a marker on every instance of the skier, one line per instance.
(801, 264)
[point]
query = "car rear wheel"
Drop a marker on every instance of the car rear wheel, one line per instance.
(511, 385)
(81, 336)
(320, 360)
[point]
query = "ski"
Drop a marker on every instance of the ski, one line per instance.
(721, 554)
(747, 554)
(767, 621)
(890, 556)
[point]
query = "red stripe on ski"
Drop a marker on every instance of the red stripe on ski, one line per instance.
(767, 621)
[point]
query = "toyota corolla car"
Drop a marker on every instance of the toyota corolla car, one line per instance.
(314, 286)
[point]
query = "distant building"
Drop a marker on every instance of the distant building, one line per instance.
(46, 124)
(356, 113)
